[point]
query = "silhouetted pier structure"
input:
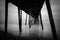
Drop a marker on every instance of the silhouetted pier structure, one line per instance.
(35, 7)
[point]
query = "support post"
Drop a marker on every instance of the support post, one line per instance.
(26, 20)
(19, 17)
(51, 19)
(6, 15)
(41, 21)
(29, 21)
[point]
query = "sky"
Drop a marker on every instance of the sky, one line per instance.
(13, 14)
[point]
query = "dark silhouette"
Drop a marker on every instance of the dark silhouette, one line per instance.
(26, 20)
(33, 5)
(51, 20)
(6, 15)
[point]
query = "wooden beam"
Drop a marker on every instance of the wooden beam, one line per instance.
(51, 19)
(6, 15)
(41, 21)
(26, 20)
(19, 17)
